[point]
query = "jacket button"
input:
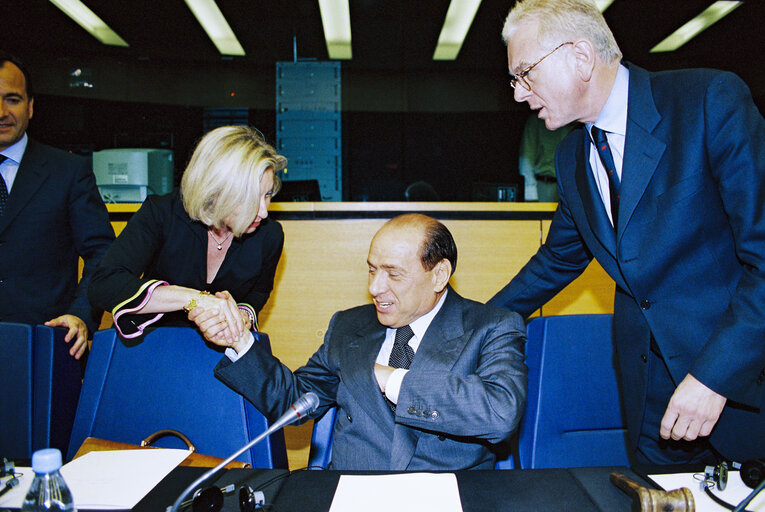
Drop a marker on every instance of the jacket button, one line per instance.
(645, 304)
(441, 438)
(411, 410)
(434, 415)
(350, 420)
(644, 358)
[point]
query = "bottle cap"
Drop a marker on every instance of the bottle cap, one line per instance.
(46, 461)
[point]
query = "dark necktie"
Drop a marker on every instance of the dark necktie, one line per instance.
(402, 354)
(3, 188)
(604, 151)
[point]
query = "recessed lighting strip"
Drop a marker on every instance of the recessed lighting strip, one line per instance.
(458, 19)
(603, 4)
(336, 20)
(88, 20)
(218, 30)
(710, 16)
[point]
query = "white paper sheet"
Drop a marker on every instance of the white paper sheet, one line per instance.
(108, 479)
(407, 492)
(734, 492)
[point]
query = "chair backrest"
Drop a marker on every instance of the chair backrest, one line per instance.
(573, 412)
(41, 386)
(167, 382)
(320, 454)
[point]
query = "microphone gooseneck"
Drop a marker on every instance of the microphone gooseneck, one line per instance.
(304, 405)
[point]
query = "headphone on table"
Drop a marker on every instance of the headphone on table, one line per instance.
(752, 472)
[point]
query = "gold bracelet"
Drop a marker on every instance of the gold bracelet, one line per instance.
(194, 302)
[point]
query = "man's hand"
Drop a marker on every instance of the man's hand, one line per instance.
(77, 331)
(693, 411)
(213, 326)
(382, 374)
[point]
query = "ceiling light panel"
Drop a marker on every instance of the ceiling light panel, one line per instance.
(710, 16)
(603, 4)
(218, 30)
(458, 19)
(336, 20)
(88, 20)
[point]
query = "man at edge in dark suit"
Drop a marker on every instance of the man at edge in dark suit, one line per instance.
(437, 398)
(664, 184)
(50, 213)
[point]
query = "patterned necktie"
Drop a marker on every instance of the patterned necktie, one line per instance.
(402, 354)
(3, 188)
(604, 151)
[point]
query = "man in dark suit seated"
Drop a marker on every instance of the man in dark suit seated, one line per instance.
(663, 184)
(50, 214)
(464, 391)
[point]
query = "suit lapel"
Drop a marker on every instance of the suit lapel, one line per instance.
(443, 343)
(357, 366)
(642, 151)
(440, 348)
(33, 171)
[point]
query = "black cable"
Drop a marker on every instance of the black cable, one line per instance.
(737, 508)
(755, 492)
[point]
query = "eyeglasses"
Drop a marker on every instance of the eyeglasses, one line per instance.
(520, 78)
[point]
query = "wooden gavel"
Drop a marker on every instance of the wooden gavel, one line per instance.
(652, 500)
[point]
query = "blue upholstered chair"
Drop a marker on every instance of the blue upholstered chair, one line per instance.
(573, 413)
(41, 385)
(320, 454)
(167, 382)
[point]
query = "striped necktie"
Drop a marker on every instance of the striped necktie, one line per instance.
(604, 151)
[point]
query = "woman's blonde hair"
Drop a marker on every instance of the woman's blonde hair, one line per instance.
(565, 20)
(224, 174)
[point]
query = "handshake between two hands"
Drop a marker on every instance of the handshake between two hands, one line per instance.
(220, 320)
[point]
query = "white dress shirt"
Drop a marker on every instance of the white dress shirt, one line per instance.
(613, 120)
(13, 155)
(419, 326)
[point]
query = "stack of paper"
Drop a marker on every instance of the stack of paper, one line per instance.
(107, 480)
(408, 492)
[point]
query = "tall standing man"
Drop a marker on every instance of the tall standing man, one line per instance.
(50, 214)
(664, 184)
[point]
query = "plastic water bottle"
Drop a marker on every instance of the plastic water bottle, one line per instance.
(48, 492)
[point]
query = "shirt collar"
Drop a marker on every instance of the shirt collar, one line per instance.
(613, 116)
(420, 326)
(16, 152)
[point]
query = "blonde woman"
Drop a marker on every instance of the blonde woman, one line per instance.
(208, 245)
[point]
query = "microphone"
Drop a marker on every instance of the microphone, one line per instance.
(304, 405)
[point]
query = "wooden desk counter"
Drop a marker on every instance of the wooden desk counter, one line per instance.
(323, 268)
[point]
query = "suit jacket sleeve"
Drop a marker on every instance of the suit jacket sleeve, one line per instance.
(92, 234)
(560, 260)
(119, 276)
(734, 355)
(272, 387)
(482, 398)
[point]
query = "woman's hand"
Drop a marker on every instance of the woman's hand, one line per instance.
(218, 317)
